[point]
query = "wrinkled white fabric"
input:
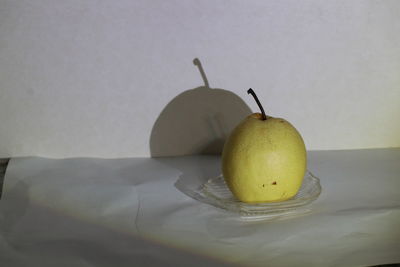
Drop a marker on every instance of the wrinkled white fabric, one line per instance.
(133, 212)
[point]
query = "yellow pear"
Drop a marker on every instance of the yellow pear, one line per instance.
(264, 159)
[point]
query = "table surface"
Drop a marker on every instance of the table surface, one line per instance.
(134, 212)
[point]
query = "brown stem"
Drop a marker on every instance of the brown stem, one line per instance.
(250, 91)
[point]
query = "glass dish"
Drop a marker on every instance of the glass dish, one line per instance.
(215, 192)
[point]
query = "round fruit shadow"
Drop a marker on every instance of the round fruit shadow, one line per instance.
(197, 121)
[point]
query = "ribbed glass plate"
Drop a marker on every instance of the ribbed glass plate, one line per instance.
(216, 192)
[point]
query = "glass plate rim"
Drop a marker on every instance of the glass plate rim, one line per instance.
(310, 180)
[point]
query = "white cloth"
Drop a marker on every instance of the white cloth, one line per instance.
(131, 212)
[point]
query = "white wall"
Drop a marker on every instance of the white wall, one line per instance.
(90, 78)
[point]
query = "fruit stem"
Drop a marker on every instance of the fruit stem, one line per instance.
(250, 91)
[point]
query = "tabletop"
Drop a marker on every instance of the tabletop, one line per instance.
(136, 212)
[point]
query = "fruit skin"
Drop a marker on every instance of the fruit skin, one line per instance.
(264, 160)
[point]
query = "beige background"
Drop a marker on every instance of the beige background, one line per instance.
(116, 79)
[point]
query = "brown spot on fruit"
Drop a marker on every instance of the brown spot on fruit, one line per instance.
(263, 185)
(274, 183)
(256, 115)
